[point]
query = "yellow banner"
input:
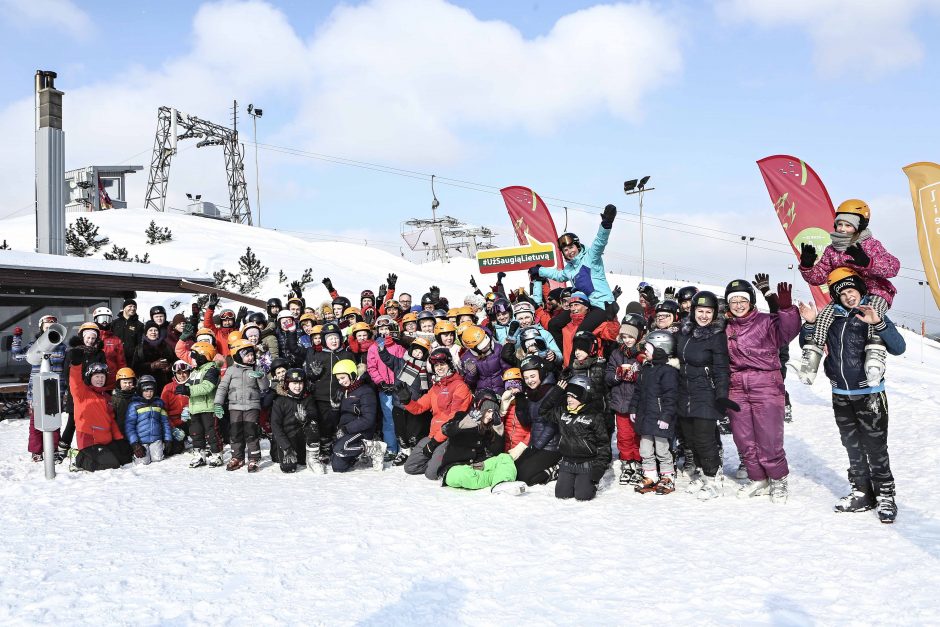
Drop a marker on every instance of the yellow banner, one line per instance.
(924, 178)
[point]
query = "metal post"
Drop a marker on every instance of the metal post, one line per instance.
(48, 443)
(642, 251)
(254, 124)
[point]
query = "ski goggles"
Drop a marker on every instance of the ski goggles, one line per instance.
(227, 314)
(181, 366)
(642, 286)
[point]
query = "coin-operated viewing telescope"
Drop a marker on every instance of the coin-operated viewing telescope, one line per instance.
(47, 395)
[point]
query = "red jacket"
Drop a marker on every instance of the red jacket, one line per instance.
(221, 334)
(94, 415)
(567, 336)
(515, 431)
(445, 398)
(175, 403)
(114, 355)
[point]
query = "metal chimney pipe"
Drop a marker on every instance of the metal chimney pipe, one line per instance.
(50, 166)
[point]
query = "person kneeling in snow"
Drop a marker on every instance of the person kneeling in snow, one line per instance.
(358, 408)
(147, 424)
(101, 444)
(474, 458)
(295, 433)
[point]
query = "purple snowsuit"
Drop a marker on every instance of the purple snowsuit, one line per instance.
(757, 387)
(486, 372)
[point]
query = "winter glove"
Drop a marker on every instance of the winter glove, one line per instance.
(513, 328)
(160, 364)
(288, 456)
(392, 279)
(784, 295)
(185, 415)
(255, 374)
(380, 342)
(313, 368)
(139, 451)
(403, 393)
(242, 314)
(76, 355)
(670, 293)
(473, 282)
(18, 331)
(662, 424)
(762, 283)
(607, 218)
(213, 300)
(534, 272)
(725, 404)
(649, 294)
(73, 341)
(435, 292)
(500, 276)
(218, 410)
(328, 284)
(297, 289)
(383, 290)
(182, 390)
(429, 447)
(470, 367)
(807, 255)
(859, 257)
(617, 292)
(388, 388)
(340, 433)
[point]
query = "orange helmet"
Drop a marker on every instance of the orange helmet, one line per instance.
(466, 310)
(409, 317)
(125, 373)
(512, 373)
(423, 343)
(472, 336)
(316, 329)
(89, 326)
(234, 336)
(239, 344)
(352, 311)
(205, 349)
(444, 326)
(307, 316)
(204, 331)
(858, 208)
(248, 325)
(844, 278)
(360, 326)
(452, 312)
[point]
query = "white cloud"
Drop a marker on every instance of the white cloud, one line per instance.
(863, 36)
(61, 14)
(404, 81)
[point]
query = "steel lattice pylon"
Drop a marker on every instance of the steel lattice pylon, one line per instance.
(173, 126)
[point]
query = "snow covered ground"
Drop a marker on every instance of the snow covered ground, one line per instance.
(166, 544)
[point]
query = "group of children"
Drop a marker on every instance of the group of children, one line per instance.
(511, 388)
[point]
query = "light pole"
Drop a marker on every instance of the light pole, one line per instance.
(747, 240)
(255, 114)
(923, 321)
(631, 187)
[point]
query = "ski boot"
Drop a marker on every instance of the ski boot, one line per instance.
(234, 464)
(779, 491)
(696, 482)
(315, 460)
(809, 363)
(254, 465)
(626, 472)
(860, 499)
(216, 461)
(788, 413)
(62, 451)
(514, 488)
(754, 488)
(886, 508)
(646, 485)
(37, 458)
(741, 472)
(402, 457)
(326, 451)
(375, 450)
(199, 458)
(875, 356)
(665, 485)
(712, 487)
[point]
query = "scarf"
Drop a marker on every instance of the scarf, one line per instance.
(841, 241)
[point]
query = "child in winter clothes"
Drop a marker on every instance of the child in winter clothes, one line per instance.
(357, 411)
(538, 463)
(123, 395)
(383, 376)
(241, 388)
(177, 408)
(295, 436)
(411, 372)
(56, 363)
(584, 443)
(147, 424)
(516, 432)
(483, 365)
(200, 388)
(853, 246)
(653, 412)
(474, 458)
(621, 376)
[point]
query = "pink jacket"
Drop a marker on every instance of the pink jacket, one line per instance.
(379, 372)
(882, 267)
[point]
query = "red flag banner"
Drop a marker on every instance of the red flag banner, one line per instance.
(530, 216)
(802, 205)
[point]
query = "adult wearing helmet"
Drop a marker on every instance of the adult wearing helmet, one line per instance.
(128, 328)
(666, 316)
(318, 365)
(858, 339)
(756, 393)
(110, 344)
(357, 411)
(200, 388)
(294, 429)
(584, 268)
(226, 324)
(684, 298)
(383, 376)
(57, 364)
(704, 377)
(447, 396)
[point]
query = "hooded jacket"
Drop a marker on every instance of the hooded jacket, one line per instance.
(241, 387)
(881, 267)
(445, 398)
(583, 432)
(703, 371)
(543, 434)
(586, 271)
(485, 372)
(147, 421)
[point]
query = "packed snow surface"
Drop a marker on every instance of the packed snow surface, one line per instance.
(168, 544)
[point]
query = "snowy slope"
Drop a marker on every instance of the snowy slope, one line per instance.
(166, 544)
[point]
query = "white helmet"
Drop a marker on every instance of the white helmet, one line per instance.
(102, 311)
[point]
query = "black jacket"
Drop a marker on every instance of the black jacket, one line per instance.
(595, 369)
(147, 354)
(703, 370)
(358, 409)
(655, 398)
(325, 387)
(543, 433)
(584, 435)
(129, 331)
(290, 415)
(621, 391)
(469, 441)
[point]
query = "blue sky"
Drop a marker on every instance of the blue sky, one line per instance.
(692, 93)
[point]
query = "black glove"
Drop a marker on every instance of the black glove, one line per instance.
(513, 328)
(607, 218)
(328, 284)
(435, 292)
(369, 315)
(500, 276)
(617, 292)
(724, 404)
(297, 289)
(403, 393)
(649, 294)
(762, 282)
(75, 341)
(388, 388)
(807, 255)
(392, 279)
(182, 390)
(288, 456)
(313, 369)
(430, 446)
(139, 451)
(213, 300)
(534, 272)
(76, 355)
(242, 313)
(670, 293)
(383, 290)
(859, 257)
(473, 282)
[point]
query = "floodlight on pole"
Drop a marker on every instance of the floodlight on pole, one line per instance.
(631, 187)
(255, 113)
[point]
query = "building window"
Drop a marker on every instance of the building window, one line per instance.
(112, 185)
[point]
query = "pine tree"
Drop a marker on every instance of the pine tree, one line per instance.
(305, 279)
(144, 259)
(222, 279)
(118, 253)
(5, 246)
(281, 277)
(251, 274)
(158, 235)
(81, 238)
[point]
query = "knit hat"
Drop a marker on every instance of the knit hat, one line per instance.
(850, 281)
(630, 330)
(150, 324)
(852, 218)
(177, 319)
(576, 390)
(579, 297)
(474, 300)
(129, 301)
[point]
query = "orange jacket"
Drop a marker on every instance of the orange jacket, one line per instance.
(221, 334)
(175, 403)
(94, 415)
(516, 432)
(445, 398)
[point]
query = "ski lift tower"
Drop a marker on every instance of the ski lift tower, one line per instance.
(172, 125)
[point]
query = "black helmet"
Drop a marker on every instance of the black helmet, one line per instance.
(663, 340)
(686, 293)
(441, 356)
(278, 362)
(741, 286)
(295, 374)
(93, 369)
(258, 318)
(341, 300)
(532, 334)
(427, 315)
(668, 306)
(567, 239)
(705, 299)
(635, 320)
(274, 302)
(146, 382)
(485, 399)
(439, 314)
(586, 341)
(330, 328)
(427, 299)
(534, 362)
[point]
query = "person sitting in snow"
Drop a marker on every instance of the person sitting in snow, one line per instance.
(357, 417)
(147, 424)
